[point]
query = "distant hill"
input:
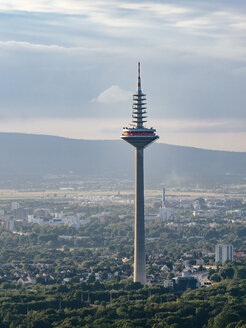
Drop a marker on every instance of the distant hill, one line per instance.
(26, 154)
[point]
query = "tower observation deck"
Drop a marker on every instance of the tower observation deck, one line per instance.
(140, 137)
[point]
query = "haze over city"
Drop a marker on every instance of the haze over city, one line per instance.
(69, 69)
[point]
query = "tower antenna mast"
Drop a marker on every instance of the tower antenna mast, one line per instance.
(140, 137)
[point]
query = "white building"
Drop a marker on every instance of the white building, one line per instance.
(71, 221)
(185, 274)
(15, 206)
(166, 213)
(223, 253)
(168, 283)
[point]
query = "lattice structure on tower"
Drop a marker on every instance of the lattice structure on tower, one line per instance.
(139, 105)
(138, 134)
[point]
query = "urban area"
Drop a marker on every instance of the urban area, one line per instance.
(68, 250)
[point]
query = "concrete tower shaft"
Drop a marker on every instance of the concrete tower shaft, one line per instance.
(139, 234)
(140, 137)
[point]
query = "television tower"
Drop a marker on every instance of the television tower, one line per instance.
(140, 137)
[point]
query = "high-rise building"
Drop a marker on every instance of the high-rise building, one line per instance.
(21, 213)
(163, 197)
(140, 137)
(223, 253)
(9, 225)
(166, 213)
(14, 206)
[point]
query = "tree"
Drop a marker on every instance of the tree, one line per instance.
(241, 272)
(227, 273)
(225, 317)
(215, 277)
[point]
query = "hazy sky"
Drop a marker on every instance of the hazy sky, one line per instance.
(68, 68)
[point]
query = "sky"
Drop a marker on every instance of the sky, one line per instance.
(69, 68)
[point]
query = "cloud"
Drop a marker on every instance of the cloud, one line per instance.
(14, 46)
(57, 55)
(189, 27)
(113, 94)
(97, 6)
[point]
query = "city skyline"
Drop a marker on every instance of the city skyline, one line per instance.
(71, 62)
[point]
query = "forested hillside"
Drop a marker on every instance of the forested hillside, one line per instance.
(32, 155)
